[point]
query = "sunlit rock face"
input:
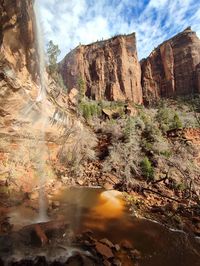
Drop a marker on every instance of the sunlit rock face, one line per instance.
(25, 122)
(18, 60)
(17, 39)
(109, 69)
(30, 126)
(19, 73)
(172, 69)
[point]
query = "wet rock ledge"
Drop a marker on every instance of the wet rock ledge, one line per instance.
(53, 243)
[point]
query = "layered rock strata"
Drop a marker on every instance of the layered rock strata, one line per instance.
(107, 69)
(28, 123)
(18, 51)
(173, 68)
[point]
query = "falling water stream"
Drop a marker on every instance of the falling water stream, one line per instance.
(41, 99)
(40, 49)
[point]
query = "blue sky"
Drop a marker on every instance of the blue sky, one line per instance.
(70, 22)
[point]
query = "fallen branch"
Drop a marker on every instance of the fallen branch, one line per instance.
(160, 194)
(42, 229)
(41, 234)
(162, 179)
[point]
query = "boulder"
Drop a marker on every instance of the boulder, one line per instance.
(126, 244)
(107, 242)
(104, 250)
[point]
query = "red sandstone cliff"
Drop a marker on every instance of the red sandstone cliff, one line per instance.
(110, 69)
(173, 68)
(19, 70)
(17, 38)
(28, 127)
(18, 59)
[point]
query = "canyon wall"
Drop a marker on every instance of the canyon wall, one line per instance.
(18, 59)
(106, 69)
(30, 125)
(20, 104)
(109, 69)
(173, 68)
(17, 38)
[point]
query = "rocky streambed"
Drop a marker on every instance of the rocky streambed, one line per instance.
(90, 227)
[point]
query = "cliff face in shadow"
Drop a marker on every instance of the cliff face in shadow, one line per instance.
(109, 69)
(18, 59)
(18, 38)
(172, 69)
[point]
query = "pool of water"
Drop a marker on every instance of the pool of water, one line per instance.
(105, 213)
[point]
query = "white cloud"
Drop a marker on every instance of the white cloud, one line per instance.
(70, 22)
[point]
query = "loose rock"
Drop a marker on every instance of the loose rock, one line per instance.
(104, 250)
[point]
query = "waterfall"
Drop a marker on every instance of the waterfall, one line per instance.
(41, 99)
(41, 54)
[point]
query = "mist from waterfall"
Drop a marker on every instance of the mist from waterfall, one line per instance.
(42, 101)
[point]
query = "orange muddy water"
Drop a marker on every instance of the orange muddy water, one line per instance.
(105, 213)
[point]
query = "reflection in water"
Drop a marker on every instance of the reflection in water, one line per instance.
(106, 215)
(110, 205)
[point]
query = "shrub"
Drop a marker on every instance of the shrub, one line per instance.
(89, 109)
(180, 186)
(85, 110)
(176, 122)
(77, 148)
(124, 156)
(163, 118)
(151, 132)
(147, 146)
(113, 128)
(147, 169)
(168, 119)
(129, 127)
(166, 153)
(82, 88)
(139, 124)
(53, 52)
(60, 81)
